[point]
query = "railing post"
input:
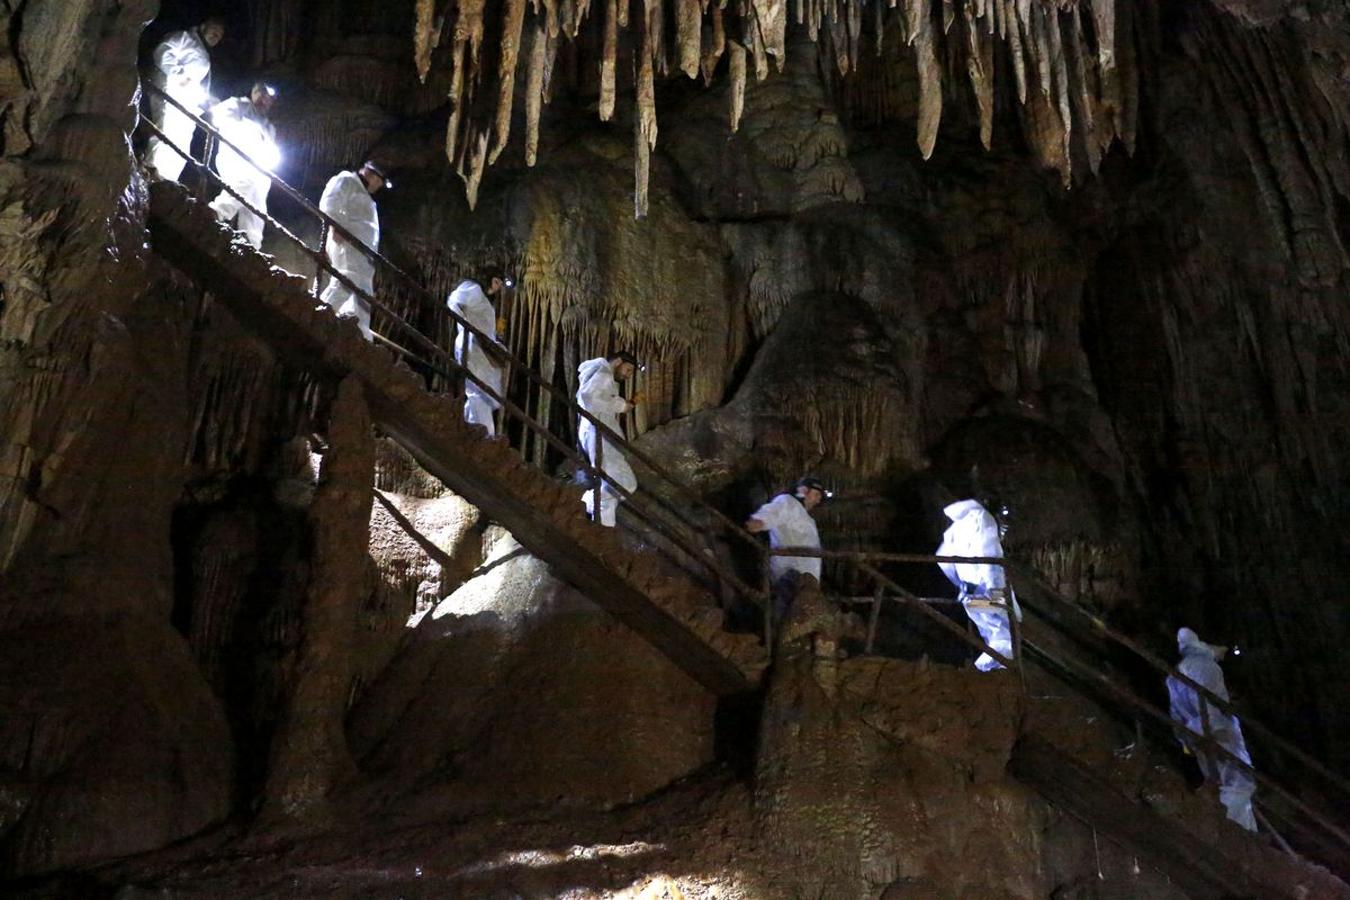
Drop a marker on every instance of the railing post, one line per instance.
(597, 479)
(1015, 628)
(766, 586)
(874, 619)
(323, 248)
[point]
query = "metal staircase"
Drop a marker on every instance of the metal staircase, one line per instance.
(663, 583)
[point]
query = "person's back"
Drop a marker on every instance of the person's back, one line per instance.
(1199, 717)
(244, 122)
(789, 524)
(598, 394)
(348, 201)
(240, 122)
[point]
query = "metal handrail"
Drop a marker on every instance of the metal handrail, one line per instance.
(687, 545)
(864, 561)
(518, 364)
(1154, 661)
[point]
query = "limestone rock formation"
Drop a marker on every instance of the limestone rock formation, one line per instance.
(1083, 259)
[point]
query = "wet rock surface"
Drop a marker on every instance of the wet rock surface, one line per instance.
(1146, 368)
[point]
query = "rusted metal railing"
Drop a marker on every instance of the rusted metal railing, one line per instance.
(1121, 696)
(670, 521)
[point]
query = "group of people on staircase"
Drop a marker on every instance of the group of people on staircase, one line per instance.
(248, 152)
(248, 157)
(245, 162)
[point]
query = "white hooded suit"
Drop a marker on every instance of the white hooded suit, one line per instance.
(974, 532)
(239, 121)
(183, 71)
(472, 305)
(347, 201)
(1199, 662)
(598, 394)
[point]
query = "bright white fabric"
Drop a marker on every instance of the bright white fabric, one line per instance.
(1190, 711)
(183, 71)
(240, 122)
(974, 532)
(789, 524)
(598, 394)
(472, 305)
(346, 200)
(251, 224)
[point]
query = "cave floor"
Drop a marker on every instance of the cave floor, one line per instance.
(692, 840)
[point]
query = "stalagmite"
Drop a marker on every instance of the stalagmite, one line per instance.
(736, 65)
(506, 74)
(689, 34)
(608, 59)
(534, 92)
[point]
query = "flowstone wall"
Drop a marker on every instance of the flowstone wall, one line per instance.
(1145, 365)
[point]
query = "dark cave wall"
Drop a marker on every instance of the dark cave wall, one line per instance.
(1148, 367)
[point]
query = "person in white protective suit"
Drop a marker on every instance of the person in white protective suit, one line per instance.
(789, 522)
(983, 586)
(598, 394)
(244, 122)
(349, 200)
(483, 359)
(183, 71)
(1196, 716)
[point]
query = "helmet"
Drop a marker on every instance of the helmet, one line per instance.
(378, 170)
(810, 482)
(628, 357)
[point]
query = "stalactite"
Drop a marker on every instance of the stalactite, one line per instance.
(534, 92)
(1074, 78)
(930, 75)
(608, 60)
(1015, 49)
(736, 63)
(511, 30)
(770, 27)
(980, 67)
(716, 46)
(468, 42)
(644, 121)
(689, 34)
(426, 36)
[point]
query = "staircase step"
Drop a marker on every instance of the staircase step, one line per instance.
(675, 614)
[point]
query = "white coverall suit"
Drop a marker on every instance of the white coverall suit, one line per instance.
(1190, 711)
(347, 201)
(183, 71)
(598, 394)
(472, 305)
(240, 122)
(974, 532)
(789, 525)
